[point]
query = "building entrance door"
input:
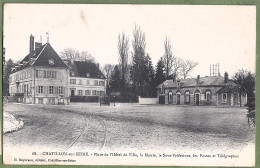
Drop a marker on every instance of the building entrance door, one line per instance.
(72, 92)
(178, 98)
(197, 99)
(161, 99)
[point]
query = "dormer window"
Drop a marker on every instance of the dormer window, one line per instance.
(87, 75)
(178, 83)
(51, 61)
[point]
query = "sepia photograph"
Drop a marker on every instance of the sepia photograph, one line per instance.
(120, 84)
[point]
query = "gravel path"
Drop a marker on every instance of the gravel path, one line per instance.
(131, 127)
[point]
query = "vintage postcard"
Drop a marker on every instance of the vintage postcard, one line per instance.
(161, 85)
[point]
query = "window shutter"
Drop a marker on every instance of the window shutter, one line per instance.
(37, 89)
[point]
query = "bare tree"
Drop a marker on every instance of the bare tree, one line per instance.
(107, 70)
(186, 67)
(123, 47)
(168, 57)
(70, 53)
(85, 56)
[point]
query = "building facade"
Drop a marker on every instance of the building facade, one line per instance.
(42, 77)
(211, 90)
(86, 79)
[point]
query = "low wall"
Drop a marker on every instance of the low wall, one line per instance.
(148, 100)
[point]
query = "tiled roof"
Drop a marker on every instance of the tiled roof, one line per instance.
(85, 69)
(189, 82)
(41, 57)
(229, 86)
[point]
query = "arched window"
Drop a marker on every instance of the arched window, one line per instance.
(197, 97)
(187, 97)
(170, 96)
(178, 97)
(208, 96)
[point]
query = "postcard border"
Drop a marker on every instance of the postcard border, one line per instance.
(152, 2)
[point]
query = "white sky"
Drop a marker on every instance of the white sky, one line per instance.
(207, 34)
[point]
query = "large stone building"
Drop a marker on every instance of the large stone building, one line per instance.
(210, 90)
(86, 79)
(42, 77)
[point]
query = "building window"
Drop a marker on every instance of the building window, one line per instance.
(96, 83)
(101, 83)
(102, 93)
(60, 90)
(51, 89)
(80, 93)
(40, 101)
(39, 74)
(94, 93)
(170, 96)
(17, 77)
(26, 74)
(224, 97)
(80, 81)
(87, 82)
(51, 100)
(30, 88)
(87, 92)
(187, 97)
(45, 74)
(208, 96)
(72, 81)
(40, 89)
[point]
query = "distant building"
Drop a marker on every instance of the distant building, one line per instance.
(42, 77)
(85, 79)
(210, 90)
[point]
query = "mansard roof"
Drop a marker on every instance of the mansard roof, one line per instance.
(85, 69)
(42, 57)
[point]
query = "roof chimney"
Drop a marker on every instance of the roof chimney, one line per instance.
(31, 43)
(174, 77)
(198, 78)
(225, 77)
(37, 45)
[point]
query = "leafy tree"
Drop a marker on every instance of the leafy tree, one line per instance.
(247, 81)
(148, 84)
(159, 74)
(116, 80)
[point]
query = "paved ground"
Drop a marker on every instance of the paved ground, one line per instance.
(87, 126)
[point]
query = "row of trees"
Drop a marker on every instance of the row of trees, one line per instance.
(138, 77)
